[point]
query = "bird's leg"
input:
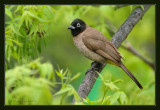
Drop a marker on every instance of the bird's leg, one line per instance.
(97, 66)
(94, 67)
(93, 64)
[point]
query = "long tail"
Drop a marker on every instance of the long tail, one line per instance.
(131, 75)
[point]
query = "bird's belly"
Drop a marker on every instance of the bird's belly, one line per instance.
(88, 53)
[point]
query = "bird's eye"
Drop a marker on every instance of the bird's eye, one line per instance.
(78, 25)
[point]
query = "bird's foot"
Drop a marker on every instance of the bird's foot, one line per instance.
(94, 67)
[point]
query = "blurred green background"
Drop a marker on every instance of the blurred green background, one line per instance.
(40, 31)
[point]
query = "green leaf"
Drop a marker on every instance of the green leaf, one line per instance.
(33, 29)
(112, 86)
(114, 97)
(16, 42)
(19, 7)
(35, 16)
(15, 30)
(59, 74)
(76, 96)
(8, 13)
(123, 97)
(65, 72)
(109, 84)
(64, 90)
(101, 77)
(117, 81)
(106, 100)
(86, 100)
(46, 70)
(75, 77)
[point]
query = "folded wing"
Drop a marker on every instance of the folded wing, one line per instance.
(97, 42)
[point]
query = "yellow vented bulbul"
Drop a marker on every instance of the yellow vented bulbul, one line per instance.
(95, 46)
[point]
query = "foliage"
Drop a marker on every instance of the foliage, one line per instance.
(118, 97)
(34, 84)
(25, 30)
(34, 31)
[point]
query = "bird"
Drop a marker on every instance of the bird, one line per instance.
(96, 47)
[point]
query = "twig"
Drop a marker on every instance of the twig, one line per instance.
(90, 78)
(130, 48)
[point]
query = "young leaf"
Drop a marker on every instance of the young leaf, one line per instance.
(114, 97)
(59, 74)
(8, 13)
(64, 90)
(123, 97)
(75, 77)
(46, 70)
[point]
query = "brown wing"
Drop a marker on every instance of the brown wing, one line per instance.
(97, 42)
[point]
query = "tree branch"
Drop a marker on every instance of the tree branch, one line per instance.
(130, 48)
(91, 76)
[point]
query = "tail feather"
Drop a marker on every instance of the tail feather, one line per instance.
(131, 75)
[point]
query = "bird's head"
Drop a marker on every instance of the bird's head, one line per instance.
(77, 26)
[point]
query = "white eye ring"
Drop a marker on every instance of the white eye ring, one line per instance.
(78, 25)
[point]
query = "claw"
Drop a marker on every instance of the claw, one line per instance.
(94, 67)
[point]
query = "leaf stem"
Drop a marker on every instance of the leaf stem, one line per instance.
(105, 91)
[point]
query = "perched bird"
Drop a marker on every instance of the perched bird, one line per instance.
(95, 46)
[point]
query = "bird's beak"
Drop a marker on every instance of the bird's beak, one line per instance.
(71, 27)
